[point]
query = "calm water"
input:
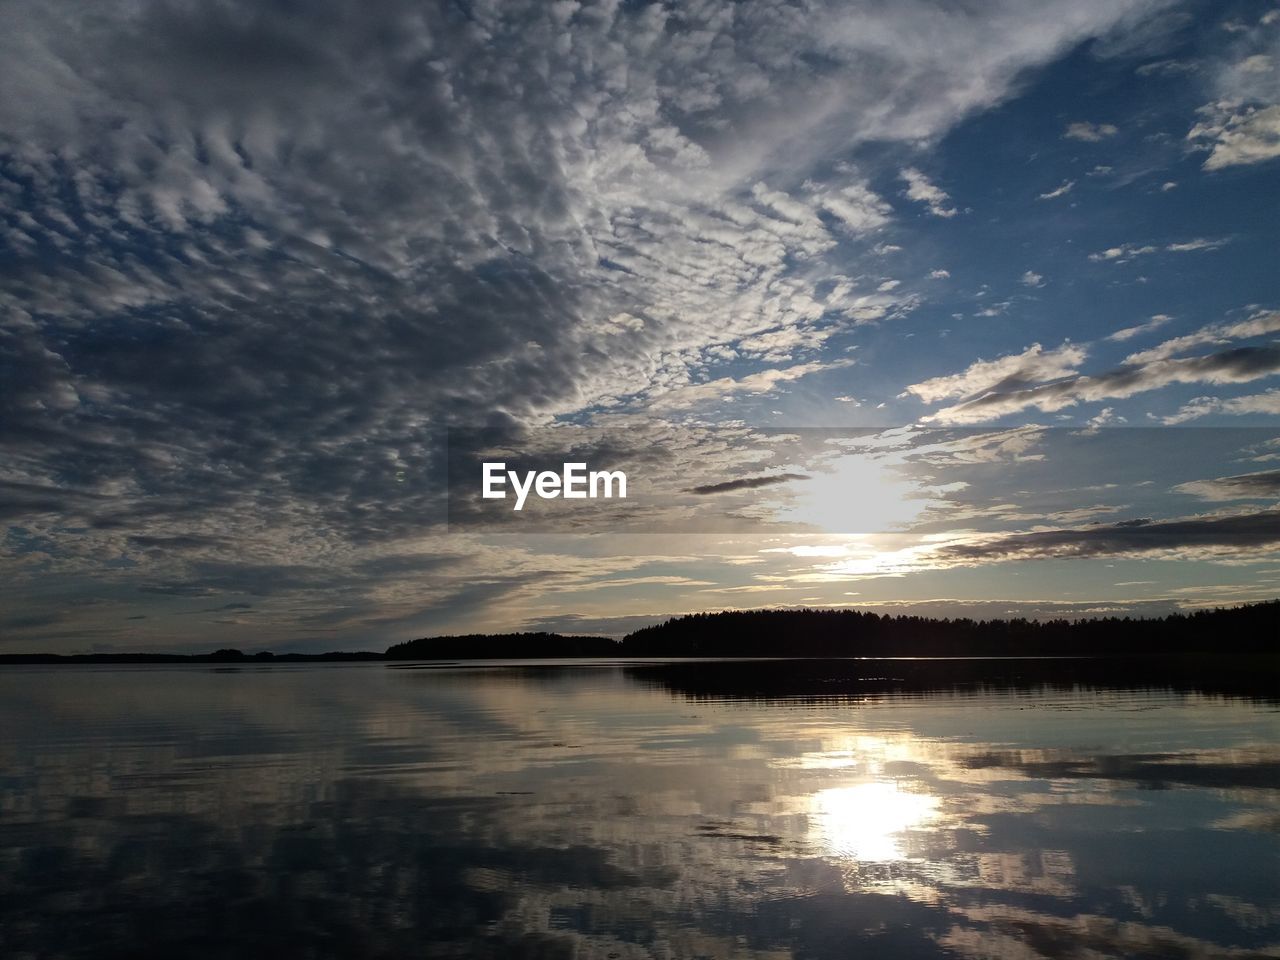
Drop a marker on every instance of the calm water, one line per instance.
(362, 811)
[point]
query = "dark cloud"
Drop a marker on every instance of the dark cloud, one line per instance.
(1211, 534)
(748, 483)
(1239, 365)
(29, 621)
(1263, 485)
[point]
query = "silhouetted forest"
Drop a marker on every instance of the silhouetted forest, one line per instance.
(225, 655)
(1247, 630)
(503, 646)
(1251, 629)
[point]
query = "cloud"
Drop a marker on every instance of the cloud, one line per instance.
(1259, 324)
(1032, 279)
(1240, 365)
(921, 190)
(1016, 445)
(1240, 126)
(1264, 485)
(1033, 365)
(1089, 132)
(1167, 68)
(747, 483)
(1106, 417)
(939, 274)
(1267, 402)
(764, 381)
(264, 256)
(1127, 251)
(1199, 243)
(1123, 253)
(1206, 536)
(1058, 191)
(1237, 134)
(1128, 333)
(857, 207)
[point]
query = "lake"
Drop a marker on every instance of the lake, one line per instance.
(608, 811)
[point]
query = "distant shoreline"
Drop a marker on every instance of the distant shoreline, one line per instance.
(1250, 630)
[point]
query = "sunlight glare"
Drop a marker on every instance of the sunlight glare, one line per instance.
(861, 495)
(865, 821)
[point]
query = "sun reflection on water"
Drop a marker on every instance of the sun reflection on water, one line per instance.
(866, 821)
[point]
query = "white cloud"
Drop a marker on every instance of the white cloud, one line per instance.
(1257, 325)
(1106, 417)
(1267, 402)
(765, 381)
(995, 309)
(1128, 333)
(1240, 126)
(1167, 68)
(1122, 253)
(920, 189)
(1263, 485)
(1032, 279)
(1127, 251)
(1090, 132)
(1033, 365)
(939, 274)
(996, 388)
(1058, 191)
(1236, 134)
(1234, 366)
(1199, 243)
(857, 207)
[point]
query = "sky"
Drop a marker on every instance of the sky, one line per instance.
(959, 309)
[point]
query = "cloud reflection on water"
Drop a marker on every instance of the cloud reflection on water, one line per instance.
(575, 813)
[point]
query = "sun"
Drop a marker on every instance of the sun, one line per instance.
(857, 495)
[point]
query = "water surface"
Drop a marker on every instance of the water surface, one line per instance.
(602, 811)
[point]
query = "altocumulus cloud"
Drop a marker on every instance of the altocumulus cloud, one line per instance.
(1208, 536)
(261, 253)
(1050, 380)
